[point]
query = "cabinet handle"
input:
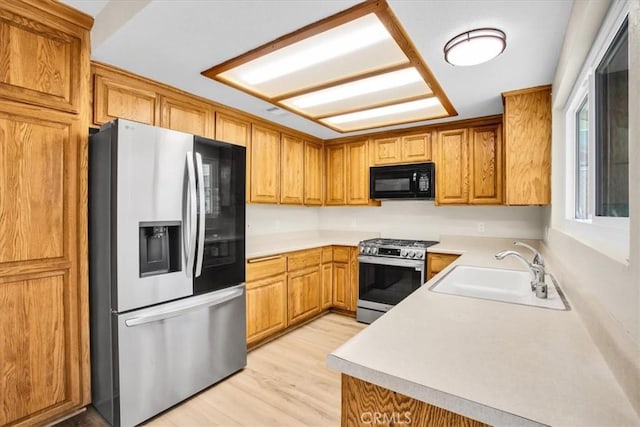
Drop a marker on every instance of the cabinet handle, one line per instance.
(267, 258)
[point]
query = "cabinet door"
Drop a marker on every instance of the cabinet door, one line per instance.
(452, 169)
(232, 129)
(437, 262)
(265, 165)
(327, 286)
(357, 173)
(115, 99)
(313, 173)
(485, 165)
(292, 171)
(336, 170)
(266, 307)
(416, 148)
(386, 151)
(303, 294)
(187, 116)
(341, 285)
(527, 130)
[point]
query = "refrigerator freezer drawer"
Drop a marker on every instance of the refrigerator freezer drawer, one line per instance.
(171, 351)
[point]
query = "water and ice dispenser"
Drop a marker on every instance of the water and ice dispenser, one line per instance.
(160, 248)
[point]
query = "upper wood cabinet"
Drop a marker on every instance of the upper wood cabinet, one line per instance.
(402, 149)
(469, 165)
(115, 99)
(527, 140)
(336, 174)
(357, 173)
(232, 129)
(485, 165)
(265, 165)
(187, 115)
(313, 172)
(452, 168)
(44, 112)
(292, 170)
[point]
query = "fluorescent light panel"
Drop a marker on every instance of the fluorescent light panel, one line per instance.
(383, 111)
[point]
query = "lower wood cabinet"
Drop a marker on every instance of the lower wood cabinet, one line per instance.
(303, 294)
(326, 298)
(266, 307)
(437, 262)
(345, 284)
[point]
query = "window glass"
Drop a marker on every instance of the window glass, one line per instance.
(582, 160)
(612, 129)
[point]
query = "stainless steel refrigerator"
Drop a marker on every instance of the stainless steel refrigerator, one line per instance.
(166, 267)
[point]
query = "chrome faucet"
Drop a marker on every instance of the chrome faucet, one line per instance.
(536, 268)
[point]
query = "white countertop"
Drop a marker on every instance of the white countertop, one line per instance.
(503, 364)
(271, 244)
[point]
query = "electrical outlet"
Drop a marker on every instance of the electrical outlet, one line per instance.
(481, 227)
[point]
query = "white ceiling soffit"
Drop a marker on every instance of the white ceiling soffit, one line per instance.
(172, 41)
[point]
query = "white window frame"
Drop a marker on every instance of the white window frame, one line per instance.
(597, 229)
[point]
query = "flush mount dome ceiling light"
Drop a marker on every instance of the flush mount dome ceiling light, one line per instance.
(354, 70)
(475, 46)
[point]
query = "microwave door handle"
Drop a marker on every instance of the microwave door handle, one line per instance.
(189, 216)
(201, 214)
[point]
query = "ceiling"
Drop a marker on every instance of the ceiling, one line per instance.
(173, 41)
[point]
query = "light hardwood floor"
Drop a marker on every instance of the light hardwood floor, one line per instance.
(286, 383)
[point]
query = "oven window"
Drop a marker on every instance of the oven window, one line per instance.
(387, 284)
(392, 184)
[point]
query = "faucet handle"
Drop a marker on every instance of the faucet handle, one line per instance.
(537, 258)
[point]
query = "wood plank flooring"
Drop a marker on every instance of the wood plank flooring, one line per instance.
(286, 383)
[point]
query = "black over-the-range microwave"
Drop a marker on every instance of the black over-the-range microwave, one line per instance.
(416, 181)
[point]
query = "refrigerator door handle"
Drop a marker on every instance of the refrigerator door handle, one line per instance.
(201, 214)
(189, 234)
(163, 313)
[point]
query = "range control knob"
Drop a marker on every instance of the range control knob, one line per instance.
(403, 253)
(411, 254)
(361, 249)
(419, 255)
(368, 250)
(374, 251)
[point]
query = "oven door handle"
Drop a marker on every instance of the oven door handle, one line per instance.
(397, 262)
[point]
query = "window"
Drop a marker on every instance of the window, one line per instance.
(582, 160)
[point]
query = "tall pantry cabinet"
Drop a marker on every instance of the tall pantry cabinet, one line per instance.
(44, 117)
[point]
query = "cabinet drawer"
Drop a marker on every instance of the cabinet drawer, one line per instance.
(257, 268)
(341, 253)
(303, 259)
(327, 254)
(438, 262)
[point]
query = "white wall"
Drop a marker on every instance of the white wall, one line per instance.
(270, 219)
(422, 220)
(604, 290)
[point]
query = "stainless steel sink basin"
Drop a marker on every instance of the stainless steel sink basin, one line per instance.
(498, 284)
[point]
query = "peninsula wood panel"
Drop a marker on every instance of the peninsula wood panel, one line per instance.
(40, 56)
(436, 262)
(336, 174)
(452, 169)
(361, 401)
(386, 151)
(37, 159)
(292, 170)
(527, 133)
(187, 116)
(357, 173)
(266, 307)
(485, 165)
(303, 294)
(416, 148)
(119, 99)
(232, 129)
(313, 171)
(265, 165)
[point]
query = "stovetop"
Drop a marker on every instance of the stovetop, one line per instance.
(395, 248)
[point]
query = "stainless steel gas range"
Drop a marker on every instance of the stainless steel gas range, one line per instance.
(390, 270)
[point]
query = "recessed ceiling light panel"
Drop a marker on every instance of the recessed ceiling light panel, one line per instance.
(355, 61)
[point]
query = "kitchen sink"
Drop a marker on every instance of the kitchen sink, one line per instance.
(510, 286)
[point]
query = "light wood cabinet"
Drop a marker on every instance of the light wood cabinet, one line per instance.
(436, 262)
(313, 173)
(527, 140)
(402, 149)
(44, 112)
(303, 294)
(452, 168)
(469, 165)
(326, 299)
(357, 173)
(292, 170)
(344, 277)
(265, 165)
(187, 115)
(336, 174)
(266, 297)
(232, 129)
(118, 99)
